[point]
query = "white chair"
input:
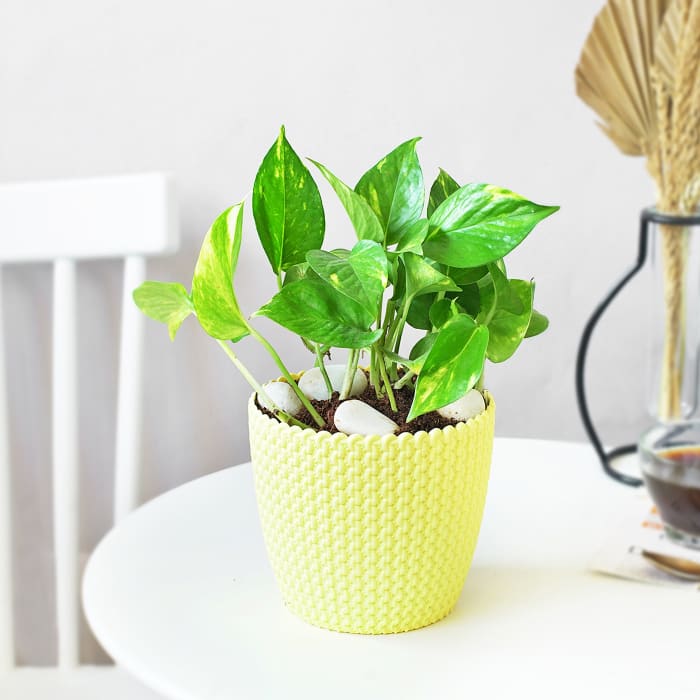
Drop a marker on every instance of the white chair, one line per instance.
(129, 217)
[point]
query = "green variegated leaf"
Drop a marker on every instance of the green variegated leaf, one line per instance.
(394, 189)
(364, 220)
(479, 224)
(412, 240)
(361, 275)
(167, 302)
(419, 312)
(538, 324)
(287, 207)
(314, 310)
(213, 296)
(423, 278)
(423, 347)
(468, 275)
(298, 272)
(452, 367)
(507, 298)
(442, 311)
(441, 189)
(506, 329)
(469, 300)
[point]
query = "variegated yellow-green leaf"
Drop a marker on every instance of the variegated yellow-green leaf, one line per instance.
(167, 302)
(507, 329)
(395, 191)
(364, 220)
(538, 324)
(479, 224)
(423, 278)
(453, 365)
(441, 189)
(213, 296)
(312, 309)
(362, 275)
(412, 239)
(287, 207)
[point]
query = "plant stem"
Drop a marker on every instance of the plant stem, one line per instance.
(397, 330)
(320, 364)
(285, 373)
(283, 415)
(373, 380)
(350, 370)
(408, 375)
(480, 380)
(387, 383)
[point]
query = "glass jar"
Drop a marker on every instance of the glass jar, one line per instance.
(670, 460)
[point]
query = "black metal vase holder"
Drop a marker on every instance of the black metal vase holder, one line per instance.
(647, 217)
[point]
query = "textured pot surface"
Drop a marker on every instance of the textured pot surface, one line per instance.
(371, 534)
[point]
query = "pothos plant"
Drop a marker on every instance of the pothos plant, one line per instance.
(438, 269)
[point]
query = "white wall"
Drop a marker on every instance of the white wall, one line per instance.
(200, 88)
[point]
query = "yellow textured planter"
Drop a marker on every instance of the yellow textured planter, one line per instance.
(371, 534)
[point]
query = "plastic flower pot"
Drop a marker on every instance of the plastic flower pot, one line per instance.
(371, 534)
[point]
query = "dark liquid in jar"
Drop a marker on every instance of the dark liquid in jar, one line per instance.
(679, 505)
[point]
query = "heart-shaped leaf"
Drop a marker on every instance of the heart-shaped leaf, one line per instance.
(468, 275)
(479, 224)
(507, 329)
(538, 324)
(441, 189)
(452, 367)
(423, 347)
(442, 311)
(364, 220)
(394, 189)
(167, 302)
(287, 207)
(412, 240)
(213, 296)
(423, 278)
(315, 310)
(419, 312)
(361, 275)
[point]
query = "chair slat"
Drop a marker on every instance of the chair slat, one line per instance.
(65, 461)
(128, 443)
(7, 651)
(99, 217)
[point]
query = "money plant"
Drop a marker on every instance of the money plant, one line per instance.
(435, 265)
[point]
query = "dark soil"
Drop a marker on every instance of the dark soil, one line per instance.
(404, 398)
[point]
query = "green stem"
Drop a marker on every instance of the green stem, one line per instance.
(279, 279)
(409, 374)
(373, 380)
(397, 330)
(480, 380)
(320, 364)
(283, 415)
(285, 373)
(387, 384)
(350, 369)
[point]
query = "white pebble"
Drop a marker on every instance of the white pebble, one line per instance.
(356, 417)
(283, 395)
(470, 405)
(313, 386)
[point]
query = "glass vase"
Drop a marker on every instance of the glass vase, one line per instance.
(674, 358)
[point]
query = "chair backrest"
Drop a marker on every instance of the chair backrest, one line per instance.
(129, 217)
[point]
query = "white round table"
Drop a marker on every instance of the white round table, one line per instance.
(182, 596)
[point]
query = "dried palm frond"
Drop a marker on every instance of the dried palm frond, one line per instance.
(613, 73)
(640, 71)
(684, 165)
(667, 43)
